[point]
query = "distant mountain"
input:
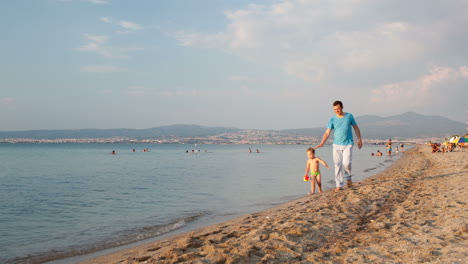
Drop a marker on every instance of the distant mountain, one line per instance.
(406, 125)
(156, 132)
(409, 125)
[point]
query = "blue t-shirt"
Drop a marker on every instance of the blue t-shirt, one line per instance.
(343, 133)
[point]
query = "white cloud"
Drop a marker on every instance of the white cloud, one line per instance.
(129, 25)
(239, 78)
(106, 20)
(99, 2)
(97, 38)
(325, 40)
(126, 26)
(7, 100)
(439, 83)
(140, 91)
(98, 46)
(102, 68)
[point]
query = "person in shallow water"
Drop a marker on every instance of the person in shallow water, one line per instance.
(314, 169)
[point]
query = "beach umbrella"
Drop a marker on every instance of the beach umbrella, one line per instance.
(462, 141)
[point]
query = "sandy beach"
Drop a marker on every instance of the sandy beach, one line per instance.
(413, 212)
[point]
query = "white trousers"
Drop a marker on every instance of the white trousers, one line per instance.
(342, 156)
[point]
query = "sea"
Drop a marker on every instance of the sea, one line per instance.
(64, 203)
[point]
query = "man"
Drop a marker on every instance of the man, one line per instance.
(389, 147)
(343, 143)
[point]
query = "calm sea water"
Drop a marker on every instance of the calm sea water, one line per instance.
(61, 200)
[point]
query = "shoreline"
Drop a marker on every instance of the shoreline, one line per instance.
(414, 211)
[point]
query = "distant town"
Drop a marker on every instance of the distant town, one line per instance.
(248, 137)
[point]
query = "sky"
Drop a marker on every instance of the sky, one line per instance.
(75, 64)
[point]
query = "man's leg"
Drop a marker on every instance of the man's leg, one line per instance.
(338, 161)
(347, 157)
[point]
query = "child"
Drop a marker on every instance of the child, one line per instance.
(313, 168)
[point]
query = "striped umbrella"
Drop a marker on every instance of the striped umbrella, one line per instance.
(462, 141)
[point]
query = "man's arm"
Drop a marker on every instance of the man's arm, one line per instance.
(358, 134)
(324, 138)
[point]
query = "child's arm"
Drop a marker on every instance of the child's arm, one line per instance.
(307, 168)
(323, 162)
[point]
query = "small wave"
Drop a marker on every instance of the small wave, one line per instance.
(369, 169)
(123, 238)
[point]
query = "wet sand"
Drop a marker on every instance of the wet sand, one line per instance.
(413, 212)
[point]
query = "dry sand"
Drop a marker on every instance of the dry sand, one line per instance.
(413, 212)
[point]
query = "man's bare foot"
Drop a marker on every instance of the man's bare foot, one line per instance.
(337, 189)
(349, 183)
(320, 191)
(311, 193)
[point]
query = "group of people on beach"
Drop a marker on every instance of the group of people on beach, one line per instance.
(342, 125)
(446, 146)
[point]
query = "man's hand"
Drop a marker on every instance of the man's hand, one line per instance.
(359, 143)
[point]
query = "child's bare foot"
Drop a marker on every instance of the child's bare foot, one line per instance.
(320, 191)
(311, 193)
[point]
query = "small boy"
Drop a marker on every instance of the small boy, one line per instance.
(313, 168)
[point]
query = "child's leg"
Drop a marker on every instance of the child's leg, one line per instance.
(319, 182)
(312, 184)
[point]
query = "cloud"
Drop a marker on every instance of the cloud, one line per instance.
(98, 2)
(129, 25)
(126, 26)
(106, 20)
(139, 91)
(5, 101)
(241, 92)
(98, 45)
(322, 40)
(103, 68)
(97, 39)
(239, 78)
(439, 83)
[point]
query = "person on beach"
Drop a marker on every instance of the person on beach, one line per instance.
(389, 147)
(379, 154)
(312, 167)
(343, 143)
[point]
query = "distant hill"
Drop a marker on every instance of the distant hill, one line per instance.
(156, 132)
(406, 125)
(409, 125)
